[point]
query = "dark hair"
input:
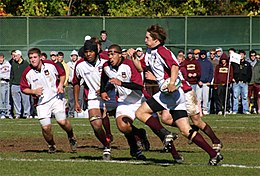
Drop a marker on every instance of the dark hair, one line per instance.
(181, 51)
(44, 54)
(157, 32)
(91, 45)
(2, 54)
(252, 52)
(103, 32)
(34, 50)
(60, 53)
(96, 40)
(13, 51)
(116, 47)
(241, 51)
(232, 49)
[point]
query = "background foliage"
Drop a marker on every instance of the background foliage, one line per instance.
(129, 7)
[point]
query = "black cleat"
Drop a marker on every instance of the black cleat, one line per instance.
(214, 161)
(144, 140)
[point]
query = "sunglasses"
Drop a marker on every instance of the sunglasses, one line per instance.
(53, 55)
(212, 53)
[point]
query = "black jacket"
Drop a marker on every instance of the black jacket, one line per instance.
(242, 72)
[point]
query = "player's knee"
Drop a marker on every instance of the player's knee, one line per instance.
(192, 133)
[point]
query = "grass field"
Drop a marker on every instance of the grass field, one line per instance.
(24, 152)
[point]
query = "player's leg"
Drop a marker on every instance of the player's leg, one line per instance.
(106, 125)
(44, 114)
(145, 114)
(182, 122)
(58, 107)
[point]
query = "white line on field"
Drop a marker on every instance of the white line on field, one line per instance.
(124, 162)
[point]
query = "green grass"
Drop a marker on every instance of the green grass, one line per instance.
(239, 133)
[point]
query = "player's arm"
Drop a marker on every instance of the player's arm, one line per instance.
(61, 84)
(174, 75)
(103, 84)
(37, 92)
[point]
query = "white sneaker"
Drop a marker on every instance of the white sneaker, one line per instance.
(205, 112)
(234, 112)
(247, 112)
(2, 117)
(219, 113)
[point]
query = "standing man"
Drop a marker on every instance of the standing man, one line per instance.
(164, 65)
(40, 80)
(242, 76)
(105, 43)
(71, 64)
(204, 81)
(5, 69)
(21, 101)
(89, 69)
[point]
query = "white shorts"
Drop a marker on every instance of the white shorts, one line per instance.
(127, 109)
(97, 103)
(55, 106)
(171, 101)
(191, 103)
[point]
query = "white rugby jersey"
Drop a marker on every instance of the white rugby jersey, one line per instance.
(126, 72)
(90, 74)
(161, 61)
(46, 78)
(5, 70)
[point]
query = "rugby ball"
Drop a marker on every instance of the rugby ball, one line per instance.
(164, 86)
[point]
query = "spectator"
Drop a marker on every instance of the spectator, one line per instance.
(5, 70)
(44, 56)
(193, 69)
(196, 54)
(10, 92)
(65, 66)
(22, 105)
(220, 84)
(205, 81)
(213, 94)
(242, 76)
(256, 83)
(124, 53)
(252, 96)
(71, 64)
(105, 43)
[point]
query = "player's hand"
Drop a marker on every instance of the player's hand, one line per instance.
(131, 52)
(38, 91)
(149, 75)
(105, 96)
(77, 107)
(115, 81)
(60, 89)
(194, 74)
(171, 87)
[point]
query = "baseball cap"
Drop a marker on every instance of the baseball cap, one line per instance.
(124, 50)
(87, 37)
(74, 52)
(219, 49)
(54, 53)
(18, 52)
(139, 49)
(196, 51)
(190, 51)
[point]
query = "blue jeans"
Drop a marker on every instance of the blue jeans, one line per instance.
(4, 99)
(21, 100)
(240, 89)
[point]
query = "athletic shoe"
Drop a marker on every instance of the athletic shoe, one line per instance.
(179, 159)
(214, 161)
(217, 147)
(168, 139)
(144, 140)
(73, 144)
(205, 112)
(107, 154)
(220, 113)
(140, 156)
(247, 112)
(2, 117)
(52, 149)
(234, 112)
